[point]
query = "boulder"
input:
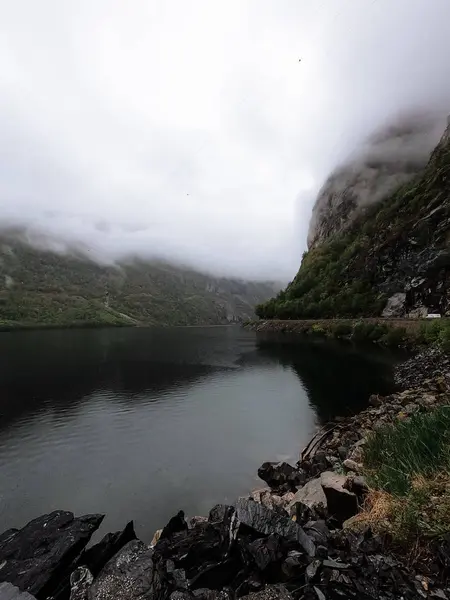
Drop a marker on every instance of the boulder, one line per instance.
(129, 575)
(39, 557)
(202, 557)
(11, 592)
(266, 521)
(352, 465)
(395, 305)
(98, 555)
(313, 497)
(281, 476)
(267, 551)
(342, 504)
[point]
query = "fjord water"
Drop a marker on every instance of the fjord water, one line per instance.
(138, 423)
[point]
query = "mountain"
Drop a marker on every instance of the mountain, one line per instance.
(392, 258)
(60, 286)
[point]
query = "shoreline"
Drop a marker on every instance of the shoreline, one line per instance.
(288, 540)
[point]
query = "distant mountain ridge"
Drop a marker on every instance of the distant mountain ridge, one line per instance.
(41, 286)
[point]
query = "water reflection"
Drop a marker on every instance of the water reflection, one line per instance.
(141, 422)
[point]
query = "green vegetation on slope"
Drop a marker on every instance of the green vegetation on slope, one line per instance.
(352, 274)
(408, 466)
(40, 287)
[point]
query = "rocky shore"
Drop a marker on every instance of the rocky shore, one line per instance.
(289, 540)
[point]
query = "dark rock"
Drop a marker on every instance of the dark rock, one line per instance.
(40, 556)
(312, 570)
(342, 451)
(322, 551)
(266, 551)
(249, 584)
(268, 522)
(176, 524)
(318, 531)
(320, 595)
(80, 582)
(270, 592)
(129, 575)
(11, 592)
(281, 476)
(204, 553)
(342, 504)
(98, 555)
(294, 565)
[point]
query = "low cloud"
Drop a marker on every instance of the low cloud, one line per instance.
(191, 130)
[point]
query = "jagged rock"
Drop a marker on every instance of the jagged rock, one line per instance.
(312, 570)
(129, 575)
(270, 592)
(293, 565)
(176, 523)
(40, 556)
(341, 503)
(318, 531)
(281, 475)
(267, 551)
(98, 555)
(312, 496)
(267, 522)
(202, 556)
(11, 592)
(80, 582)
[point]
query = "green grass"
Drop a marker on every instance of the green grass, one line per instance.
(408, 468)
(419, 446)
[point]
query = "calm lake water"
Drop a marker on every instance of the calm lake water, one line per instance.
(138, 423)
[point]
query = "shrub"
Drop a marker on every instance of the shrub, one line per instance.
(341, 330)
(444, 337)
(362, 331)
(394, 337)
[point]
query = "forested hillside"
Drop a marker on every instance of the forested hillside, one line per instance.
(42, 287)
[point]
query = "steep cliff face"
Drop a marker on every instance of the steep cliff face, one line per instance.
(390, 158)
(393, 259)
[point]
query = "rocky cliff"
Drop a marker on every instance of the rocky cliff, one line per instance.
(391, 259)
(392, 156)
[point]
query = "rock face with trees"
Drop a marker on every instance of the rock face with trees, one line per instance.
(390, 259)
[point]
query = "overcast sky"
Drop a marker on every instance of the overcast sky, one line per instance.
(190, 128)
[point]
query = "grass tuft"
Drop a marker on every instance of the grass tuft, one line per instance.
(398, 453)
